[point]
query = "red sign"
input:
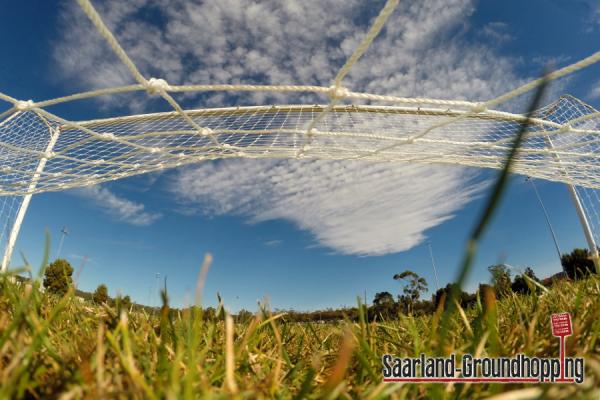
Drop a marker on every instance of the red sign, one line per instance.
(561, 324)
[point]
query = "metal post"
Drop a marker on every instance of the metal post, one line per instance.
(589, 237)
(537, 194)
(14, 233)
(437, 282)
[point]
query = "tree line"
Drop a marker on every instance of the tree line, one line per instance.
(58, 278)
(576, 265)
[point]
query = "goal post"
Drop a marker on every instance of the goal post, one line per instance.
(53, 133)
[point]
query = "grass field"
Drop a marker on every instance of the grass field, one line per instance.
(53, 347)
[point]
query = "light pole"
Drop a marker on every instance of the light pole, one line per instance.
(437, 282)
(157, 292)
(64, 232)
(537, 194)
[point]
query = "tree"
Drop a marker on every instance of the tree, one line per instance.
(101, 294)
(500, 279)
(521, 285)
(384, 304)
(413, 288)
(57, 277)
(577, 264)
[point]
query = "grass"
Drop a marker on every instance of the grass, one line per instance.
(54, 347)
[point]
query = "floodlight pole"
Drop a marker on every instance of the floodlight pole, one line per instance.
(437, 282)
(14, 233)
(587, 230)
(537, 194)
(64, 232)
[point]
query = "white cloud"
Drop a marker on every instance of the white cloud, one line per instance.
(122, 209)
(594, 91)
(351, 207)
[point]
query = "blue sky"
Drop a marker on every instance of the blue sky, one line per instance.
(138, 227)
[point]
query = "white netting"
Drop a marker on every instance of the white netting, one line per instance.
(562, 145)
(9, 206)
(42, 152)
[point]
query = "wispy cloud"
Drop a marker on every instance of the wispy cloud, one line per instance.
(117, 207)
(497, 31)
(421, 52)
(273, 243)
(592, 23)
(351, 207)
(555, 61)
(594, 91)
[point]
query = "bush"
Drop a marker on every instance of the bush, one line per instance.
(57, 277)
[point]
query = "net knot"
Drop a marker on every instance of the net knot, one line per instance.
(157, 86)
(480, 107)
(565, 128)
(338, 92)
(206, 131)
(24, 105)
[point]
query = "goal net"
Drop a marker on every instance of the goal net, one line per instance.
(41, 152)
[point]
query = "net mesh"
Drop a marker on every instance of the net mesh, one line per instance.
(41, 152)
(561, 145)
